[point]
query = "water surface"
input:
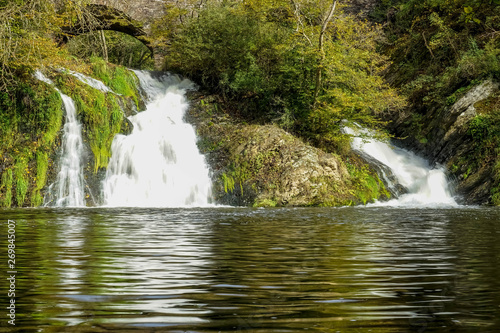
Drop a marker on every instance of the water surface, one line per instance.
(254, 270)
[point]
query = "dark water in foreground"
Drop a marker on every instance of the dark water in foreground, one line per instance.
(253, 270)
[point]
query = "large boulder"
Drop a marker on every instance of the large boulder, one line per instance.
(263, 165)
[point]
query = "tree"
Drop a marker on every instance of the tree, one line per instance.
(288, 60)
(28, 33)
(24, 36)
(324, 25)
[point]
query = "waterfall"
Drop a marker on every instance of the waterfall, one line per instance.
(68, 189)
(158, 164)
(96, 84)
(426, 186)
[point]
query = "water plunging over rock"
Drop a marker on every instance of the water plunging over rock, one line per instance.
(425, 186)
(158, 164)
(442, 135)
(68, 189)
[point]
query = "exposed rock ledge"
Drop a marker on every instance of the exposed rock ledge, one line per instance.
(262, 165)
(444, 139)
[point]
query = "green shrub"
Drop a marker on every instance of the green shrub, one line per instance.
(271, 71)
(6, 188)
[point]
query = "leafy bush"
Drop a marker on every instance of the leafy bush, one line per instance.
(229, 52)
(275, 66)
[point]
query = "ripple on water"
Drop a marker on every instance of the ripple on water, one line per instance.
(276, 270)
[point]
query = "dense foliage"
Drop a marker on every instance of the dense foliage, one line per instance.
(438, 46)
(302, 64)
(440, 50)
(31, 112)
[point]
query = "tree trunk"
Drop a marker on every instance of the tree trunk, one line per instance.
(321, 52)
(104, 46)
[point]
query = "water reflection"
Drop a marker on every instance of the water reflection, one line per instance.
(275, 270)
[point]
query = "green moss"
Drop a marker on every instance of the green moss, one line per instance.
(30, 113)
(228, 182)
(30, 123)
(54, 116)
(6, 188)
(121, 80)
(265, 203)
(101, 69)
(237, 175)
(20, 174)
(42, 165)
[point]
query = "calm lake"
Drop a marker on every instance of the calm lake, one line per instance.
(253, 270)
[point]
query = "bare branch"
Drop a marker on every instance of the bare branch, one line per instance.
(300, 25)
(326, 20)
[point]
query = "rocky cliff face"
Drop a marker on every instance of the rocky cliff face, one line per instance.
(141, 10)
(443, 136)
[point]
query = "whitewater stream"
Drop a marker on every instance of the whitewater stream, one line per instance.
(425, 186)
(158, 164)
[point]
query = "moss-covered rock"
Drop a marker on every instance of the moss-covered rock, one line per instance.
(262, 165)
(31, 121)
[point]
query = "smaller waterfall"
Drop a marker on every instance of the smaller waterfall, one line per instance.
(426, 186)
(158, 164)
(96, 84)
(68, 189)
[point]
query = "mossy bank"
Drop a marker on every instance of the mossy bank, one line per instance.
(31, 129)
(263, 165)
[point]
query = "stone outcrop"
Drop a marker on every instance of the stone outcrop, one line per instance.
(443, 138)
(263, 165)
(141, 10)
(276, 168)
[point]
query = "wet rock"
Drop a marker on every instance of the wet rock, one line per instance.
(385, 174)
(443, 138)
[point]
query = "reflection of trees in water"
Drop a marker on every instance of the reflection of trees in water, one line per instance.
(259, 270)
(283, 266)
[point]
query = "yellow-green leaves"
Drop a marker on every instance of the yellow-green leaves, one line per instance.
(303, 61)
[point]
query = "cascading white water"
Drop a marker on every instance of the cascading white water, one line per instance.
(158, 164)
(68, 189)
(96, 84)
(426, 186)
